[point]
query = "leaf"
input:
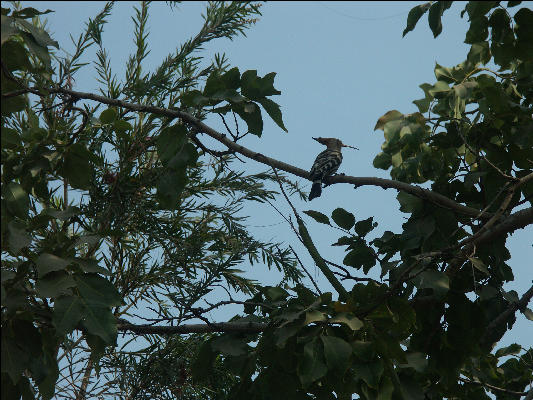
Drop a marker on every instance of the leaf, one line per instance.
(528, 313)
(350, 320)
(47, 263)
(14, 359)
(100, 322)
(230, 345)
(361, 256)
(435, 14)
(369, 372)
(255, 87)
(169, 187)
(18, 237)
(274, 111)
(382, 161)
(318, 216)
(388, 117)
(314, 316)
(337, 353)
(310, 366)
(251, 114)
(54, 284)
(478, 264)
(409, 203)
(68, 311)
(39, 34)
(17, 200)
(508, 350)
(76, 166)
(97, 291)
(90, 265)
(416, 360)
(202, 365)
(414, 15)
(343, 218)
(363, 227)
(436, 280)
(478, 31)
(170, 142)
(62, 215)
(108, 116)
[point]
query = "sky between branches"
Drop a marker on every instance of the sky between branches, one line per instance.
(340, 66)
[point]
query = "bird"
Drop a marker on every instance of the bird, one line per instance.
(326, 163)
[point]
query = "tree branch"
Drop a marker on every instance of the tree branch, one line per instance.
(417, 191)
(504, 316)
(244, 327)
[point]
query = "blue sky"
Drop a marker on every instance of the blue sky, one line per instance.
(340, 66)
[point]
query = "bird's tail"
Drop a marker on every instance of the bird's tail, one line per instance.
(316, 190)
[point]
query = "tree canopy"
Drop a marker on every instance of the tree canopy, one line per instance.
(119, 223)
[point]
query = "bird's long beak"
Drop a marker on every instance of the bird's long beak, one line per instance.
(351, 147)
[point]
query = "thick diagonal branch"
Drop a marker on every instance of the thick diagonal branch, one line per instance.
(200, 127)
(243, 327)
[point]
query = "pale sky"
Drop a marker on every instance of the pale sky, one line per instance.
(340, 66)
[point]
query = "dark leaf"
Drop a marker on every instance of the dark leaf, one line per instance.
(318, 216)
(343, 218)
(414, 16)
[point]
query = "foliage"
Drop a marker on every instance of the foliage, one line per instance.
(113, 214)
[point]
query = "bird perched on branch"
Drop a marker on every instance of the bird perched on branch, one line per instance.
(326, 163)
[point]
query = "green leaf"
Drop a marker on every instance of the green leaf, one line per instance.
(68, 311)
(169, 187)
(479, 30)
(389, 116)
(314, 316)
(29, 12)
(409, 203)
(39, 34)
(528, 313)
(97, 291)
(436, 280)
(255, 87)
(337, 353)
(477, 9)
(369, 372)
(382, 161)
(350, 320)
(361, 256)
(230, 345)
(363, 227)
(47, 263)
(54, 284)
(120, 126)
(416, 360)
(478, 264)
(90, 265)
(414, 16)
(108, 116)
(508, 350)
(274, 111)
(76, 166)
(318, 216)
(17, 200)
(62, 215)
(343, 218)
(18, 237)
(311, 366)
(435, 15)
(202, 365)
(10, 138)
(100, 322)
(251, 114)
(14, 359)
